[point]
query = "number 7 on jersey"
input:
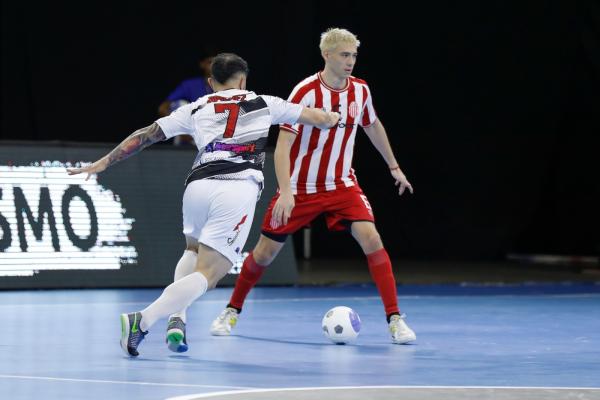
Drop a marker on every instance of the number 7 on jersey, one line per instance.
(234, 111)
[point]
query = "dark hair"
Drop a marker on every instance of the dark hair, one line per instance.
(225, 65)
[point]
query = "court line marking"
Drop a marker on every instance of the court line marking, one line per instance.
(300, 299)
(225, 393)
(51, 378)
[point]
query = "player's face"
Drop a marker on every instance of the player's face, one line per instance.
(342, 59)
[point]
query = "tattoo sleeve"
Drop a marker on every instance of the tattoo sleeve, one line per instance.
(136, 142)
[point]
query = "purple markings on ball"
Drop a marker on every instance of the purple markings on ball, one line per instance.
(355, 321)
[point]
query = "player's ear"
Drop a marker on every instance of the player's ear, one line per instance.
(211, 83)
(242, 82)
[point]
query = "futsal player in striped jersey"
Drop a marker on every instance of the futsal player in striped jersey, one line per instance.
(230, 129)
(322, 180)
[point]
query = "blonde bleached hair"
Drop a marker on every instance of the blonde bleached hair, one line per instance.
(333, 37)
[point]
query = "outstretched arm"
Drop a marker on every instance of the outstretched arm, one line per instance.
(377, 135)
(133, 144)
(319, 118)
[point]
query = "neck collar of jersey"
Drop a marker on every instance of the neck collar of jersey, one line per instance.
(329, 87)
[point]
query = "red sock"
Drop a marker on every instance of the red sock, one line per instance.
(380, 267)
(251, 273)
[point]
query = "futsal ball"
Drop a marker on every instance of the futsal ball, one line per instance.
(341, 325)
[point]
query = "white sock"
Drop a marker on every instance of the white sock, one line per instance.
(185, 266)
(177, 296)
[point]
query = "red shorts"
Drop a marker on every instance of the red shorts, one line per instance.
(340, 206)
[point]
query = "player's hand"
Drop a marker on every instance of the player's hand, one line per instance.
(91, 169)
(282, 210)
(401, 180)
(334, 118)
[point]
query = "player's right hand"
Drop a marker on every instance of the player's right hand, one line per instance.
(94, 168)
(282, 210)
(334, 118)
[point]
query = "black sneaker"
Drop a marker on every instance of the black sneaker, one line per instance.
(131, 334)
(176, 335)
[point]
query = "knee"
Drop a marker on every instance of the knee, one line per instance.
(212, 277)
(265, 251)
(263, 256)
(371, 242)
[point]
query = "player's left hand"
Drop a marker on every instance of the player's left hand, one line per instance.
(282, 210)
(91, 169)
(402, 181)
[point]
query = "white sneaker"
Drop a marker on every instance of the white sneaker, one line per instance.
(401, 333)
(223, 324)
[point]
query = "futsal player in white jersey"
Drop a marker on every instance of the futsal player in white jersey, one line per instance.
(230, 128)
(323, 181)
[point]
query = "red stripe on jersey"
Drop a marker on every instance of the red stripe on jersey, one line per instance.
(326, 153)
(358, 80)
(366, 121)
(339, 165)
(312, 145)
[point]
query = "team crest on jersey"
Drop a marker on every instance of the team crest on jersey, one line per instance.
(353, 109)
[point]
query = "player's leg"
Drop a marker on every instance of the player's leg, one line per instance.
(177, 296)
(269, 245)
(176, 325)
(230, 205)
(185, 266)
(211, 266)
(379, 263)
(253, 268)
(380, 268)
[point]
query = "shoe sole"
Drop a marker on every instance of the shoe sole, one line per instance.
(404, 340)
(220, 333)
(124, 333)
(174, 335)
(175, 341)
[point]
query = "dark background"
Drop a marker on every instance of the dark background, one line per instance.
(492, 107)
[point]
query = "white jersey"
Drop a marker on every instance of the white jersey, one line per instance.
(230, 129)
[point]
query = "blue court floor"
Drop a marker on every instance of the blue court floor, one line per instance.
(64, 344)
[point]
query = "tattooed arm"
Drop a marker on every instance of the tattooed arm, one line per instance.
(133, 144)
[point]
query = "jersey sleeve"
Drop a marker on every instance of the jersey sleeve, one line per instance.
(298, 97)
(282, 111)
(369, 116)
(179, 122)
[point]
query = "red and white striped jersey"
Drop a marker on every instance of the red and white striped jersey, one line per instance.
(321, 159)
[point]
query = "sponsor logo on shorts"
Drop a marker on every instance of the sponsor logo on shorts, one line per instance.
(236, 230)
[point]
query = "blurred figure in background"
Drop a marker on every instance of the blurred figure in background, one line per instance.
(188, 91)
